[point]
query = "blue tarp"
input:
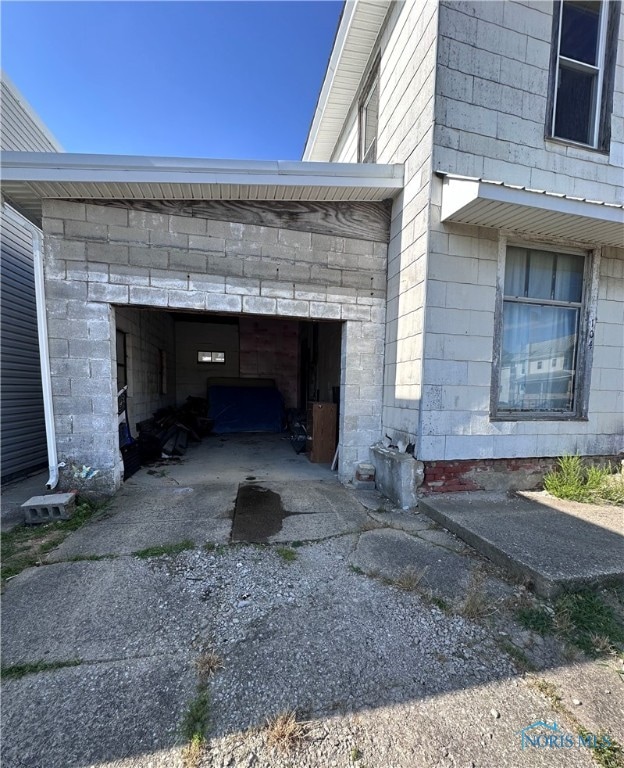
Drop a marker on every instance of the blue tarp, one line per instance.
(245, 409)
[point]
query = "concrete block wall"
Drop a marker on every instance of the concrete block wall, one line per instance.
(193, 337)
(269, 348)
(98, 256)
(147, 333)
(407, 49)
(459, 347)
(491, 93)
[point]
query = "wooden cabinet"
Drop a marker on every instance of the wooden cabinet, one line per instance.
(322, 419)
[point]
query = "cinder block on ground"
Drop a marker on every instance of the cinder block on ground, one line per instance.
(49, 508)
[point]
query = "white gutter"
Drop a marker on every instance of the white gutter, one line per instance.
(44, 351)
(69, 167)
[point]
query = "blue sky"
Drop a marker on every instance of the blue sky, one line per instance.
(187, 79)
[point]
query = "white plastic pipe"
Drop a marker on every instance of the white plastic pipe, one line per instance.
(44, 357)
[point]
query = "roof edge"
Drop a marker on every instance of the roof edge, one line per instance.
(51, 166)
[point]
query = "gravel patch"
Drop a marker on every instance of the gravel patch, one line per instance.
(352, 656)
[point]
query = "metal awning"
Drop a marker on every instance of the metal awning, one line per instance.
(30, 177)
(531, 211)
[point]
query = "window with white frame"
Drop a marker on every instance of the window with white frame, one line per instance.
(538, 347)
(369, 119)
(582, 71)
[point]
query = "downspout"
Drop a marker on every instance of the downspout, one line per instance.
(44, 357)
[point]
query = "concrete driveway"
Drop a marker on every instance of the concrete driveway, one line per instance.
(101, 644)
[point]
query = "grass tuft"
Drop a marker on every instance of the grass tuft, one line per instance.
(197, 716)
(477, 604)
(283, 732)
(535, 618)
(17, 671)
(410, 578)
(287, 554)
(207, 663)
(587, 616)
(573, 480)
(192, 752)
(165, 549)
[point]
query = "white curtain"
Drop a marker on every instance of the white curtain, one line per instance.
(538, 357)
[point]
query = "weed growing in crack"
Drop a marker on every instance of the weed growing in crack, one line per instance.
(17, 671)
(207, 663)
(165, 549)
(477, 604)
(194, 726)
(287, 554)
(284, 732)
(410, 578)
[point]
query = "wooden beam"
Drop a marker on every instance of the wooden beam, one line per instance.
(363, 221)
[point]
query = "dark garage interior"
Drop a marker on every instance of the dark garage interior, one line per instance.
(188, 376)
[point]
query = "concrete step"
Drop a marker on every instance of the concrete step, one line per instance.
(549, 544)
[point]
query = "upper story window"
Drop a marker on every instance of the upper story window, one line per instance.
(369, 119)
(582, 71)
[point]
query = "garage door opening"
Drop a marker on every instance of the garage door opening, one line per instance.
(261, 392)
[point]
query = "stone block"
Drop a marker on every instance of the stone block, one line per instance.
(84, 230)
(274, 290)
(209, 243)
(293, 308)
(46, 509)
(152, 297)
(168, 239)
(148, 257)
(113, 294)
(62, 209)
(107, 253)
(398, 475)
(106, 214)
(195, 261)
(165, 278)
(259, 306)
(187, 299)
(324, 311)
(223, 303)
(145, 220)
(190, 225)
(243, 286)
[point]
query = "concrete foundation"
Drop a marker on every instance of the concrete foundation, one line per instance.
(398, 475)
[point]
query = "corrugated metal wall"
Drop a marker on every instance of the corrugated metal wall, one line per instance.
(23, 437)
(20, 128)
